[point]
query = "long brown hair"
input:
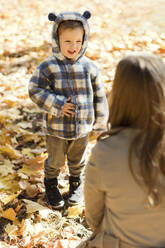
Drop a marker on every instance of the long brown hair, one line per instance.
(137, 100)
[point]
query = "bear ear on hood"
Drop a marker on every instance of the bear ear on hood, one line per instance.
(87, 14)
(52, 17)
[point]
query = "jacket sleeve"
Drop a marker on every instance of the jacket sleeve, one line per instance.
(100, 104)
(41, 93)
(94, 195)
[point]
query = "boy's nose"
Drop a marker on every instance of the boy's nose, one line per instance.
(73, 45)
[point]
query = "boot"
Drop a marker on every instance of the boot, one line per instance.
(75, 190)
(53, 196)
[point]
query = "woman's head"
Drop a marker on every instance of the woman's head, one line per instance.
(137, 100)
(138, 91)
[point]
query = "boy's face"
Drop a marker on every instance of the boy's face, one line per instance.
(71, 42)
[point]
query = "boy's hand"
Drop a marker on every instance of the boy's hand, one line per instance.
(96, 133)
(68, 108)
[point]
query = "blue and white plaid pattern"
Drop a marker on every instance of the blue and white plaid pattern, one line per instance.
(58, 78)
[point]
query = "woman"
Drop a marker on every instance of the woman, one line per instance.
(125, 177)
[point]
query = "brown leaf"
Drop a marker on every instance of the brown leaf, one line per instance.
(32, 190)
(58, 244)
(36, 163)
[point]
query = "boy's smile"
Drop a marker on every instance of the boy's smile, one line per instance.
(71, 42)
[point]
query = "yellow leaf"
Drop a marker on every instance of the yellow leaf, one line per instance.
(10, 101)
(9, 214)
(27, 152)
(5, 138)
(6, 168)
(18, 207)
(6, 198)
(11, 229)
(75, 211)
(10, 151)
(2, 119)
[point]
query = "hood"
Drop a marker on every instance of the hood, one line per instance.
(69, 16)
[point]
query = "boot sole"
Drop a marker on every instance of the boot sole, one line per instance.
(56, 207)
(74, 203)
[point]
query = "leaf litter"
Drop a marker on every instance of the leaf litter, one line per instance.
(25, 218)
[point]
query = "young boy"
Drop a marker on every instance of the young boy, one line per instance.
(67, 87)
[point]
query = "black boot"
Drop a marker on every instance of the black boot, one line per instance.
(53, 196)
(75, 190)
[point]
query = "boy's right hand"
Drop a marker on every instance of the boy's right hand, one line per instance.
(68, 109)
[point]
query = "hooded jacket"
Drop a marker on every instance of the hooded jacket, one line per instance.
(58, 78)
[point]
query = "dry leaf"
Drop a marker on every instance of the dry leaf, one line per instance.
(5, 245)
(36, 163)
(58, 244)
(9, 214)
(8, 197)
(68, 232)
(21, 51)
(11, 229)
(25, 227)
(6, 168)
(32, 190)
(10, 101)
(27, 152)
(25, 124)
(75, 211)
(19, 206)
(32, 207)
(10, 151)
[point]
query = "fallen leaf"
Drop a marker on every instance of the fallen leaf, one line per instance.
(9, 214)
(32, 190)
(58, 244)
(32, 207)
(8, 197)
(68, 232)
(36, 163)
(75, 211)
(6, 168)
(11, 229)
(5, 245)
(10, 151)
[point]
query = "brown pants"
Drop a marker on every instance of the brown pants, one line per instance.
(60, 149)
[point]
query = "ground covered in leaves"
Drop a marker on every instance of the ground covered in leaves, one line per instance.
(117, 28)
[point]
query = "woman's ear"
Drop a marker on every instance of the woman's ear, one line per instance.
(87, 14)
(52, 17)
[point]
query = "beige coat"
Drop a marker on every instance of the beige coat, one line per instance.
(116, 206)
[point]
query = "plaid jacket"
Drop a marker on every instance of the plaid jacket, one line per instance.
(58, 78)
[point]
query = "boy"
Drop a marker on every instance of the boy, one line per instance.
(67, 87)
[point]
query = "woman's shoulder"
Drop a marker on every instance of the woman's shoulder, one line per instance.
(114, 144)
(118, 135)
